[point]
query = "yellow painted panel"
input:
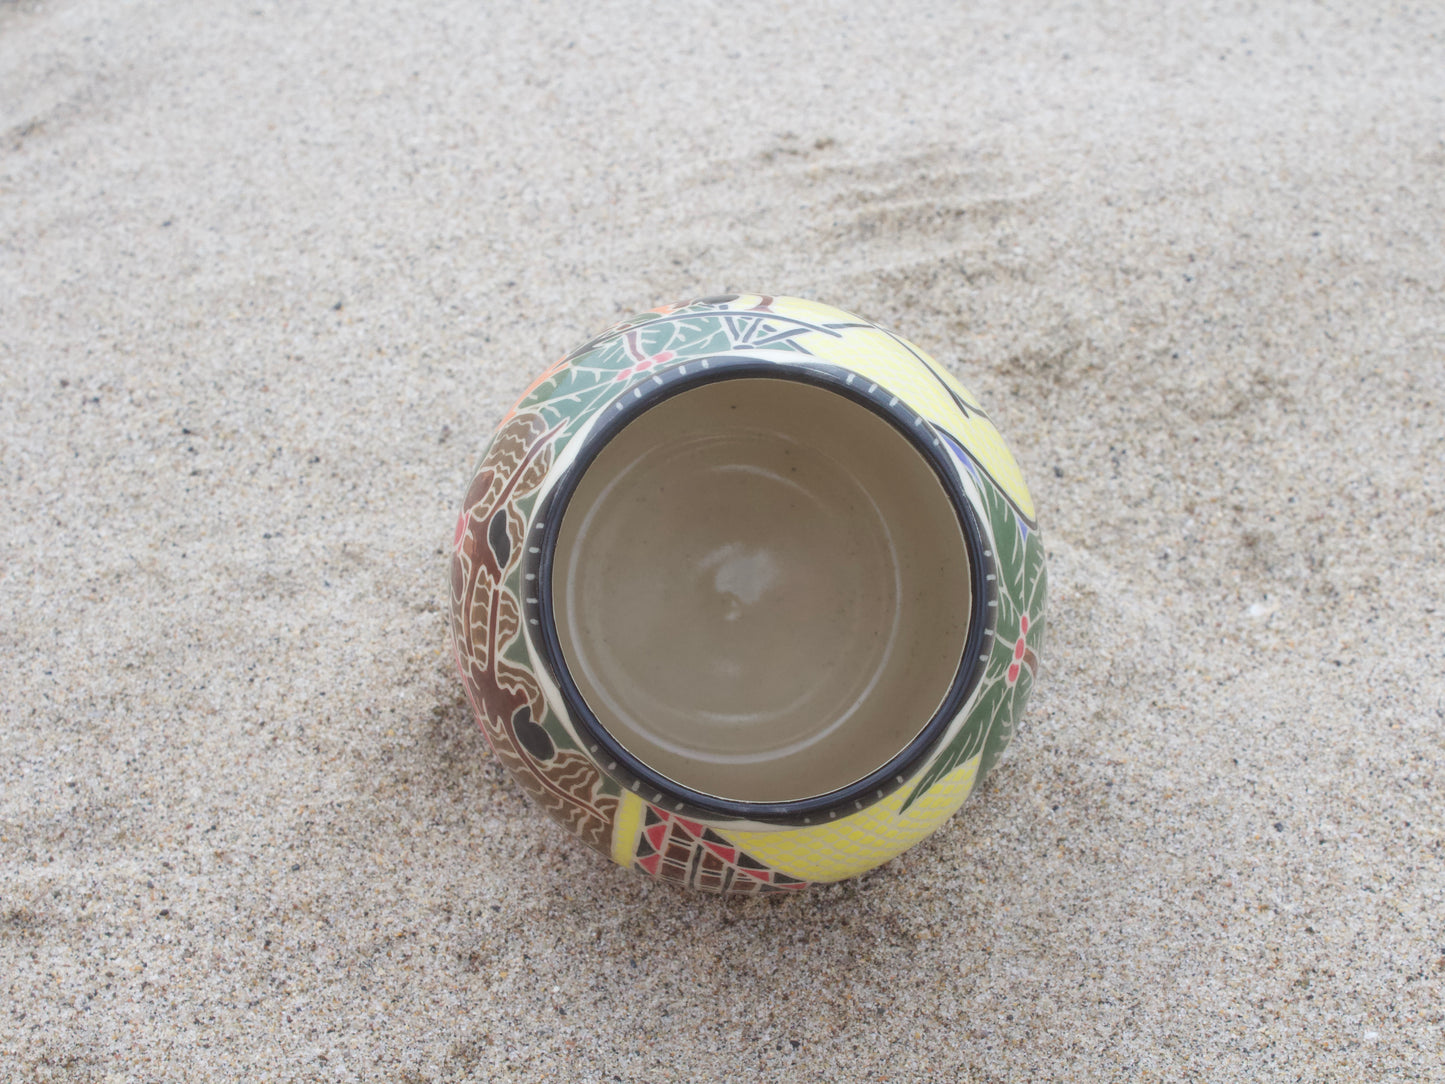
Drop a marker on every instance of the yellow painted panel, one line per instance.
(799, 308)
(917, 379)
(854, 844)
(626, 826)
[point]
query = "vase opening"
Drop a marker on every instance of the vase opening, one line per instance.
(761, 589)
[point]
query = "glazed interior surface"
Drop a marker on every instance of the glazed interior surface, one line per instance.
(761, 589)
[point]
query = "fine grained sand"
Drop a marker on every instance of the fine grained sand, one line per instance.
(269, 273)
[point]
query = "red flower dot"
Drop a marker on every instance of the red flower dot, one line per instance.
(1013, 673)
(664, 357)
(1024, 624)
(1019, 648)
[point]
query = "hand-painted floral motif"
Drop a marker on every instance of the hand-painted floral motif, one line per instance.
(503, 692)
(1016, 640)
(688, 852)
(517, 706)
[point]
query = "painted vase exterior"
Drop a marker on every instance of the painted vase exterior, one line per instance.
(508, 663)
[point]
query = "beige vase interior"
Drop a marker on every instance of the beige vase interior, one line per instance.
(761, 590)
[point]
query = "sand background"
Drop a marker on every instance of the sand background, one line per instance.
(270, 273)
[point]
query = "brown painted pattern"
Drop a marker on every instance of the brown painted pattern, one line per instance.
(487, 619)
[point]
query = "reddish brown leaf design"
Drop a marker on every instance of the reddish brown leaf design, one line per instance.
(486, 620)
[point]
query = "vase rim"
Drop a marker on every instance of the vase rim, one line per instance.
(647, 391)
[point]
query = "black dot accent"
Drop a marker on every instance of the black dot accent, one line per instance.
(533, 738)
(645, 848)
(784, 879)
(712, 837)
(499, 538)
(651, 817)
(749, 862)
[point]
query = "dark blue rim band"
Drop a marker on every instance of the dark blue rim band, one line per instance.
(656, 387)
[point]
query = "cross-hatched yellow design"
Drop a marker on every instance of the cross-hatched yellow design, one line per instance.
(912, 375)
(626, 824)
(854, 844)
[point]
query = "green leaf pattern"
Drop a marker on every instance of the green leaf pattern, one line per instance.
(1021, 589)
(601, 369)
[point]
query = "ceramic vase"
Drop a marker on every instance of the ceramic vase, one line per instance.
(747, 593)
